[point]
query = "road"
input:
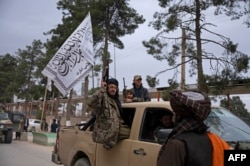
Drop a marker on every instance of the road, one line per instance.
(25, 153)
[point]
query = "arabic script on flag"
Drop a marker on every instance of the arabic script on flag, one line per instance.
(74, 60)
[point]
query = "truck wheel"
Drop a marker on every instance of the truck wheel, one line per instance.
(8, 136)
(82, 162)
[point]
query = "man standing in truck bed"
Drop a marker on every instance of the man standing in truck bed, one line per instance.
(109, 126)
(140, 93)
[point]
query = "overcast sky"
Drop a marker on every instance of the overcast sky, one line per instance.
(23, 21)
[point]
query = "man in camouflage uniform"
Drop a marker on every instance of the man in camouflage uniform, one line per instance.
(109, 126)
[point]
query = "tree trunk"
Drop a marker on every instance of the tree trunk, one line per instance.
(201, 79)
(183, 66)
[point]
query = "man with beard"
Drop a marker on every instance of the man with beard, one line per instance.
(189, 143)
(109, 125)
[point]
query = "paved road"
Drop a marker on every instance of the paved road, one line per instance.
(25, 153)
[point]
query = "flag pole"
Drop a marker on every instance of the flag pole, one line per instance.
(48, 87)
(44, 100)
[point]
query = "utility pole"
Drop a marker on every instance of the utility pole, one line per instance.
(183, 66)
(114, 63)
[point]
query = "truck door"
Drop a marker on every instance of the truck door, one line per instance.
(145, 149)
(119, 155)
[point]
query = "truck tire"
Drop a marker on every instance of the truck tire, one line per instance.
(82, 162)
(8, 136)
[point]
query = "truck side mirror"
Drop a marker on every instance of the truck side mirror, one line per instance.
(162, 135)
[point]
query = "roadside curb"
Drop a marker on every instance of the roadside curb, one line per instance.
(43, 138)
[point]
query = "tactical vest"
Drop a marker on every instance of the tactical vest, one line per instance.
(198, 148)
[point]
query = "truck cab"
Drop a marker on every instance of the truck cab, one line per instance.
(76, 148)
(141, 147)
(6, 127)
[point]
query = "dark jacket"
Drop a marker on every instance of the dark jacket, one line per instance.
(140, 94)
(187, 149)
(53, 127)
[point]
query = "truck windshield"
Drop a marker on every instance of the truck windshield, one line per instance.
(228, 126)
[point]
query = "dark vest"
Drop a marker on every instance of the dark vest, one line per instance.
(199, 149)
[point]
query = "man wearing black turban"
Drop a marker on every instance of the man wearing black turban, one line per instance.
(188, 144)
(109, 126)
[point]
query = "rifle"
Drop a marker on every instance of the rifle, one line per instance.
(124, 90)
(87, 124)
(93, 117)
(106, 74)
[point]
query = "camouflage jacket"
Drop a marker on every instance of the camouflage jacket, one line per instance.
(108, 120)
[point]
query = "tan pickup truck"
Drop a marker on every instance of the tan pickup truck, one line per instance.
(76, 148)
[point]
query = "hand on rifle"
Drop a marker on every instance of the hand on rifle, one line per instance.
(103, 84)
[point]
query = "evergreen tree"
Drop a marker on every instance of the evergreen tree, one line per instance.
(111, 20)
(189, 16)
(152, 81)
(27, 76)
(237, 107)
(8, 87)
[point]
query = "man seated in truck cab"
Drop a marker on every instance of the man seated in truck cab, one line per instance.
(165, 122)
(152, 123)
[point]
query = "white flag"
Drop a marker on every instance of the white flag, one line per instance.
(74, 60)
(49, 84)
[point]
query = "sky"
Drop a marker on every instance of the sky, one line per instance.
(21, 22)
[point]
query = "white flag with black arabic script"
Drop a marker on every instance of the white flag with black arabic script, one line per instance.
(73, 60)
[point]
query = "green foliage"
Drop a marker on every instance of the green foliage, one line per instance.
(8, 65)
(166, 93)
(152, 81)
(27, 71)
(188, 16)
(236, 106)
(111, 20)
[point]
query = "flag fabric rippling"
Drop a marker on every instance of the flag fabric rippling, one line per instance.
(74, 59)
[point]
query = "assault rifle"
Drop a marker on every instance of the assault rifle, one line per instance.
(93, 117)
(124, 90)
(87, 124)
(106, 74)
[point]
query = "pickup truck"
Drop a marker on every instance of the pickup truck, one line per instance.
(75, 147)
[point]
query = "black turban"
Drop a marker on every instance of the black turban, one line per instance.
(113, 81)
